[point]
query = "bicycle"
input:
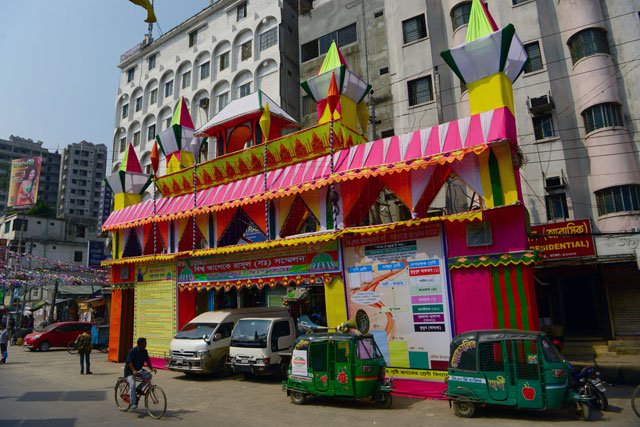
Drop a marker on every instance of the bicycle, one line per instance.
(72, 348)
(155, 400)
(635, 401)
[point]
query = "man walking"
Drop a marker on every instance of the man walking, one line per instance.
(83, 344)
(133, 369)
(4, 339)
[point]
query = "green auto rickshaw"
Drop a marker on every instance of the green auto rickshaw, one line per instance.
(519, 369)
(339, 365)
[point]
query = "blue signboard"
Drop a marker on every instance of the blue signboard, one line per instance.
(95, 249)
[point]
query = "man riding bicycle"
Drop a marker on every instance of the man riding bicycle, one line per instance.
(132, 369)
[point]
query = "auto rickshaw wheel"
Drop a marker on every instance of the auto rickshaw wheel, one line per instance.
(464, 408)
(298, 397)
(580, 410)
(383, 399)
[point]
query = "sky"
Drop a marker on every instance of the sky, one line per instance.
(59, 64)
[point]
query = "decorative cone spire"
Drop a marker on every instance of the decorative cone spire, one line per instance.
(265, 122)
(155, 158)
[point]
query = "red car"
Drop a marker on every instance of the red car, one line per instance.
(56, 335)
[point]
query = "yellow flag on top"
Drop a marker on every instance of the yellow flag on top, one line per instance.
(151, 16)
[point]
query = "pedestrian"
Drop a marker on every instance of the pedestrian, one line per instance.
(133, 369)
(83, 344)
(4, 339)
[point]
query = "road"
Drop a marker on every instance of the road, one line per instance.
(46, 389)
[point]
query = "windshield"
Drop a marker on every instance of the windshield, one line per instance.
(195, 331)
(551, 352)
(250, 333)
(50, 327)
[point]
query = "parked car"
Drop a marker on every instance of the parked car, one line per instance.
(56, 335)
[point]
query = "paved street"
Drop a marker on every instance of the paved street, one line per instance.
(46, 389)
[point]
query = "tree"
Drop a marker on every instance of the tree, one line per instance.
(41, 209)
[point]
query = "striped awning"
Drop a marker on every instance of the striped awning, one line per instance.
(445, 143)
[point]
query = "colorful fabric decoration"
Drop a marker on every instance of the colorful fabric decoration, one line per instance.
(146, 4)
(481, 23)
(495, 260)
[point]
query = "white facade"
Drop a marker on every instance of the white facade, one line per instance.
(229, 49)
(54, 239)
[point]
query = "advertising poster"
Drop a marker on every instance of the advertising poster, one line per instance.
(23, 186)
(315, 259)
(299, 363)
(155, 315)
(400, 279)
(154, 272)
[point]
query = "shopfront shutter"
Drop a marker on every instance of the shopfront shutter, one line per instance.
(624, 303)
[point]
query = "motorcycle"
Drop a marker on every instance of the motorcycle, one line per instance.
(19, 333)
(587, 382)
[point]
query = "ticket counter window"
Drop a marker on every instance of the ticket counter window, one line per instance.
(225, 299)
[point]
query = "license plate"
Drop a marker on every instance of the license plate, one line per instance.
(179, 361)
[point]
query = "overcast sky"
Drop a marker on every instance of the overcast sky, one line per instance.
(59, 64)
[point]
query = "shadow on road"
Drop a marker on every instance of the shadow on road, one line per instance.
(54, 422)
(69, 396)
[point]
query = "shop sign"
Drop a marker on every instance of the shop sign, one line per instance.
(567, 239)
(302, 260)
(154, 272)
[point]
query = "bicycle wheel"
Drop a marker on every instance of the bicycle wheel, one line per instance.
(635, 401)
(71, 347)
(156, 402)
(122, 395)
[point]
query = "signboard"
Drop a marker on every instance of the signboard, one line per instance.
(318, 259)
(95, 249)
(23, 186)
(299, 363)
(400, 280)
(154, 272)
(567, 239)
(154, 315)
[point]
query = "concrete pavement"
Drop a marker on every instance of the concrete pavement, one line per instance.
(46, 389)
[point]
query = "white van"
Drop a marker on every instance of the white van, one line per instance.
(255, 343)
(202, 345)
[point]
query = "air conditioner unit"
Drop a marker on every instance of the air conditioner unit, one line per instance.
(204, 103)
(554, 183)
(540, 104)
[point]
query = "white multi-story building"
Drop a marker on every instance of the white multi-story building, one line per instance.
(576, 109)
(83, 169)
(226, 51)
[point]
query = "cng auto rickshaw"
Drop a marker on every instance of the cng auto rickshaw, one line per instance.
(519, 369)
(338, 364)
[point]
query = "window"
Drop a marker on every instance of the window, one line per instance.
(280, 329)
(387, 133)
(318, 356)
(479, 234)
(491, 356)
(80, 231)
(535, 57)
(204, 70)
(623, 198)
(167, 123)
(123, 144)
(19, 224)
(343, 37)
(193, 38)
(460, 15)
(223, 99)
(224, 61)
(225, 329)
(77, 256)
(268, 38)
(414, 29)
(131, 72)
(420, 91)
(543, 127)
(378, 14)
(153, 96)
(7, 227)
(136, 141)
(168, 88)
(125, 111)
(367, 349)
(138, 104)
(556, 205)
(186, 80)
(151, 132)
(384, 70)
(241, 11)
(308, 106)
(151, 62)
(601, 116)
(245, 51)
(588, 42)
(515, 2)
(244, 90)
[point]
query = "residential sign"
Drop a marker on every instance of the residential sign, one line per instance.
(560, 240)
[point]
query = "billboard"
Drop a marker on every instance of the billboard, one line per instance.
(400, 279)
(25, 176)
